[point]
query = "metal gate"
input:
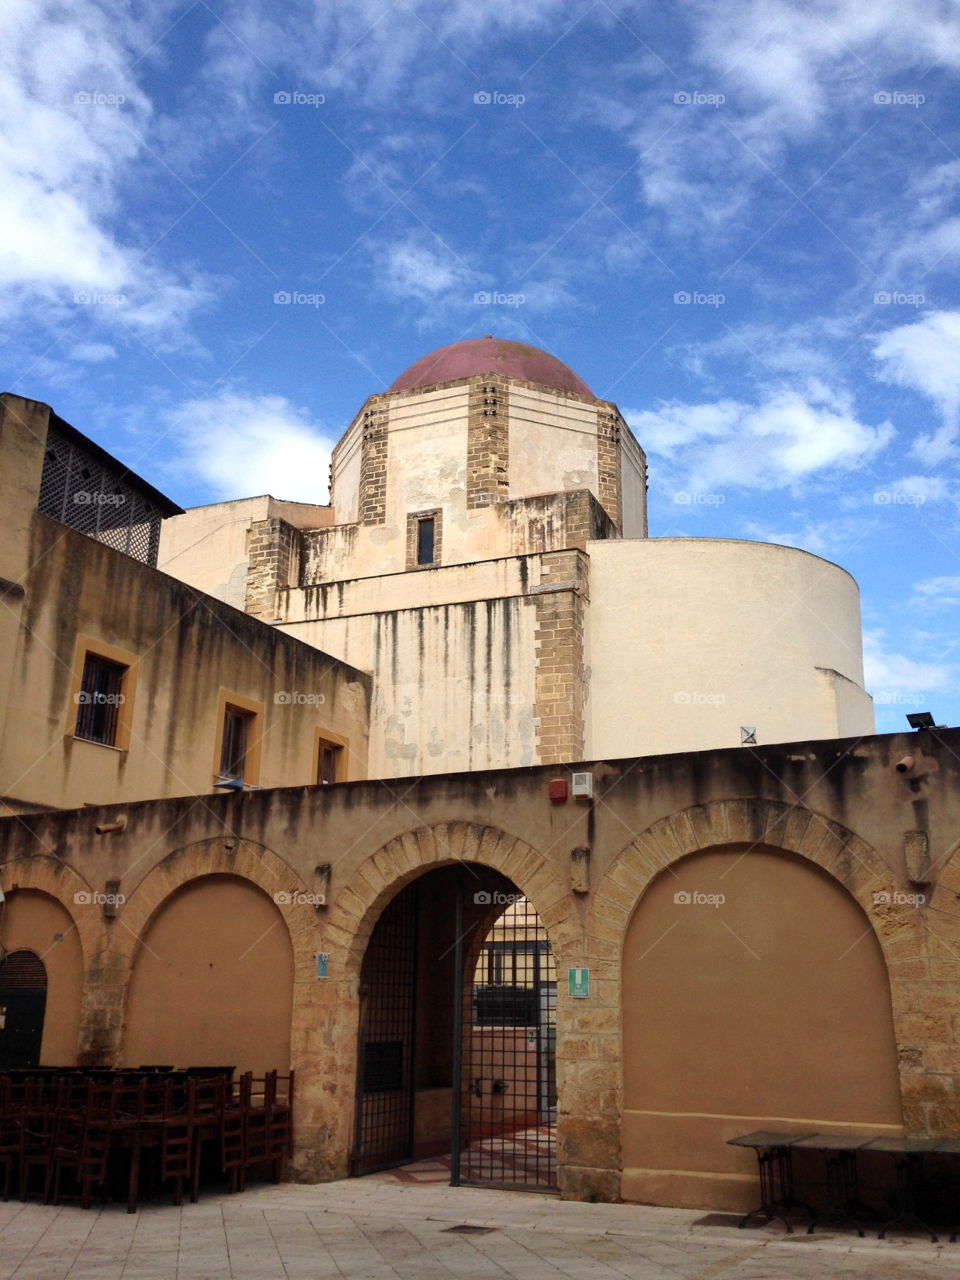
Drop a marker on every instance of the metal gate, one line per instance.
(509, 1102)
(488, 1033)
(386, 1059)
(23, 1002)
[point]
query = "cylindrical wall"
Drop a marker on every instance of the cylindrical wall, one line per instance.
(691, 638)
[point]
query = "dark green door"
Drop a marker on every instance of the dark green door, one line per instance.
(23, 1000)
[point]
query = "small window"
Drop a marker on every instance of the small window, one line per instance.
(99, 700)
(425, 537)
(328, 760)
(236, 742)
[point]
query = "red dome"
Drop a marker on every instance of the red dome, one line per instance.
(491, 355)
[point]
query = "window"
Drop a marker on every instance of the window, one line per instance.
(425, 539)
(235, 743)
(99, 700)
(328, 761)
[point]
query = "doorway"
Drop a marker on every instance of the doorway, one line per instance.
(23, 1003)
(457, 1046)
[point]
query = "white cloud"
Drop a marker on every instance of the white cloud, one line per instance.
(73, 117)
(924, 357)
(937, 593)
(426, 271)
(240, 445)
(894, 679)
(777, 443)
(92, 352)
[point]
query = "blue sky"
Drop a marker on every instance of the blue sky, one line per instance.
(739, 221)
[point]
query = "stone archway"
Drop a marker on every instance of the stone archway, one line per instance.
(54, 912)
(747, 825)
(327, 1117)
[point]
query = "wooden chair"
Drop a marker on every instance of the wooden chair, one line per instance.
(81, 1150)
(233, 1133)
(280, 1124)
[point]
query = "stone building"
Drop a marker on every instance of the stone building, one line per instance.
(118, 682)
(595, 937)
(485, 557)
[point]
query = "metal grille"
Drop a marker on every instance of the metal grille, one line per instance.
(99, 699)
(81, 493)
(509, 1091)
(385, 1080)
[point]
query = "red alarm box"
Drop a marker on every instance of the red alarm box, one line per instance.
(557, 790)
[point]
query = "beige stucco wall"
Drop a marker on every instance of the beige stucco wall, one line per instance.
(208, 546)
(690, 638)
(185, 652)
(745, 971)
(553, 442)
(633, 486)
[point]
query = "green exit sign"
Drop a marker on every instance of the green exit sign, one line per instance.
(578, 983)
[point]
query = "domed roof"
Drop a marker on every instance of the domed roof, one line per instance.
(490, 355)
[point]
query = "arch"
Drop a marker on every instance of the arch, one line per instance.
(40, 922)
(229, 856)
(756, 823)
(326, 1110)
(55, 879)
(359, 904)
(212, 983)
(755, 996)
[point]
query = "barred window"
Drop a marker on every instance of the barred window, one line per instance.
(236, 742)
(99, 700)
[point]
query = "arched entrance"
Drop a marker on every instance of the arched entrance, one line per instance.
(23, 1003)
(457, 1042)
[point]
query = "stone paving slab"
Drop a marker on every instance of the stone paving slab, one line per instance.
(377, 1228)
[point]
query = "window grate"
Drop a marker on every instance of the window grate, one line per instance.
(99, 700)
(81, 493)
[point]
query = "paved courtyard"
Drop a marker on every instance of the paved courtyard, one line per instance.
(380, 1227)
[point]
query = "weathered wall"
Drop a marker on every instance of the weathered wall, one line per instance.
(185, 650)
(834, 811)
(454, 683)
(690, 638)
(208, 547)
